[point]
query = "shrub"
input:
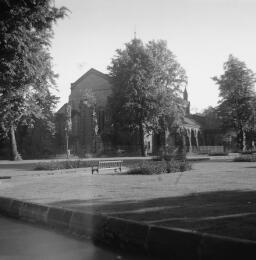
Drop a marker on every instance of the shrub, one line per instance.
(245, 158)
(178, 166)
(218, 153)
(146, 167)
(159, 167)
(67, 164)
(248, 152)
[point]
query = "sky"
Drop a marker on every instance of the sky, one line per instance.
(200, 33)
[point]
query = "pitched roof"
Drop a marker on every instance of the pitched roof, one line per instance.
(86, 74)
(189, 122)
(62, 109)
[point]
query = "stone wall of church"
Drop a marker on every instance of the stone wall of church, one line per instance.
(100, 87)
(91, 126)
(85, 139)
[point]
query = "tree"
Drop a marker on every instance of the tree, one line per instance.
(237, 104)
(68, 127)
(167, 77)
(211, 118)
(90, 103)
(38, 139)
(146, 87)
(25, 63)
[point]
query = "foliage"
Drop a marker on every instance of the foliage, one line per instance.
(211, 118)
(136, 166)
(238, 99)
(217, 153)
(37, 141)
(159, 167)
(67, 164)
(148, 168)
(248, 152)
(146, 87)
(167, 77)
(245, 158)
(178, 166)
(25, 63)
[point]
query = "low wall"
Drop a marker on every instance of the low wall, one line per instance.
(166, 243)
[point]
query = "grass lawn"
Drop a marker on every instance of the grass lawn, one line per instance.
(214, 197)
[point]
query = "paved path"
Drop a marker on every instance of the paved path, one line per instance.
(21, 241)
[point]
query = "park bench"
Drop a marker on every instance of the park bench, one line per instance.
(116, 165)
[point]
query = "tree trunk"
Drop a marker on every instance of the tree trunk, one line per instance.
(67, 150)
(142, 145)
(184, 147)
(15, 156)
(244, 140)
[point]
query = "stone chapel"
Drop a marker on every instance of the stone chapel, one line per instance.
(90, 124)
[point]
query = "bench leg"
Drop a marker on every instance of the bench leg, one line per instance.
(97, 170)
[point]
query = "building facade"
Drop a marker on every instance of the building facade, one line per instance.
(91, 122)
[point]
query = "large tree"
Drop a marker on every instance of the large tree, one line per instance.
(146, 87)
(168, 79)
(237, 104)
(37, 139)
(25, 63)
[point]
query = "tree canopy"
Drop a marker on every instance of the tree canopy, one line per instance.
(26, 74)
(237, 97)
(147, 82)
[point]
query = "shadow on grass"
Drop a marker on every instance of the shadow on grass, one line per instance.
(229, 213)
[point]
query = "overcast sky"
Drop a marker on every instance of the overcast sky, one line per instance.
(201, 33)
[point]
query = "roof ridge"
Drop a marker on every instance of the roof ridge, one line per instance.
(92, 70)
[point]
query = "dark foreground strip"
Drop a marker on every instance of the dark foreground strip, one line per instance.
(167, 243)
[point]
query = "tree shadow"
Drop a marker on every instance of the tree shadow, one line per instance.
(231, 213)
(220, 201)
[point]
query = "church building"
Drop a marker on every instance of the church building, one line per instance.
(91, 120)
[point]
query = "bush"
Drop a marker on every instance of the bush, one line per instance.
(245, 158)
(159, 167)
(218, 153)
(67, 164)
(248, 152)
(146, 167)
(178, 166)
